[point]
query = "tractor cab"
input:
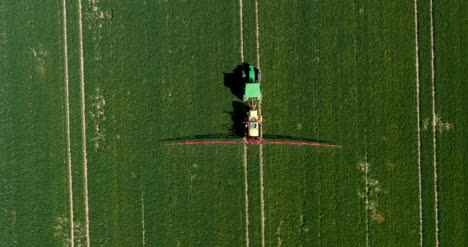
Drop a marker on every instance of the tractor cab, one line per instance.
(251, 74)
(252, 86)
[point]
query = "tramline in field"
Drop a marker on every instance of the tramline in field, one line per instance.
(253, 120)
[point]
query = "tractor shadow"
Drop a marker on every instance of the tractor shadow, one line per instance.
(237, 128)
(293, 138)
(234, 81)
(235, 137)
(239, 110)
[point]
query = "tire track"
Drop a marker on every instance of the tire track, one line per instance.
(246, 186)
(366, 178)
(83, 116)
(434, 125)
(67, 110)
(262, 181)
(241, 28)
(262, 192)
(418, 111)
(367, 191)
(143, 231)
(257, 33)
(246, 181)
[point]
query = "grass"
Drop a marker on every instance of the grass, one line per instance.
(255, 227)
(451, 128)
(162, 88)
(346, 85)
(343, 74)
(33, 158)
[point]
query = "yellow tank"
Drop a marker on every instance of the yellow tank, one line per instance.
(254, 128)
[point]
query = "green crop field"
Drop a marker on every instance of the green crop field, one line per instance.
(92, 91)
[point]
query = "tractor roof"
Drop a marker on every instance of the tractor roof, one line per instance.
(252, 90)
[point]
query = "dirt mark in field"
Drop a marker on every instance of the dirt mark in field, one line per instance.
(3, 38)
(97, 117)
(167, 89)
(99, 18)
(370, 194)
(40, 58)
(441, 125)
(278, 234)
(426, 123)
(61, 230)
(95, 14)
(80, 235)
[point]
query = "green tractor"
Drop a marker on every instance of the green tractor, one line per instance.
(252, 85)
(252, 98)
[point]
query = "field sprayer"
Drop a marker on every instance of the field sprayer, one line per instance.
(253, 122)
